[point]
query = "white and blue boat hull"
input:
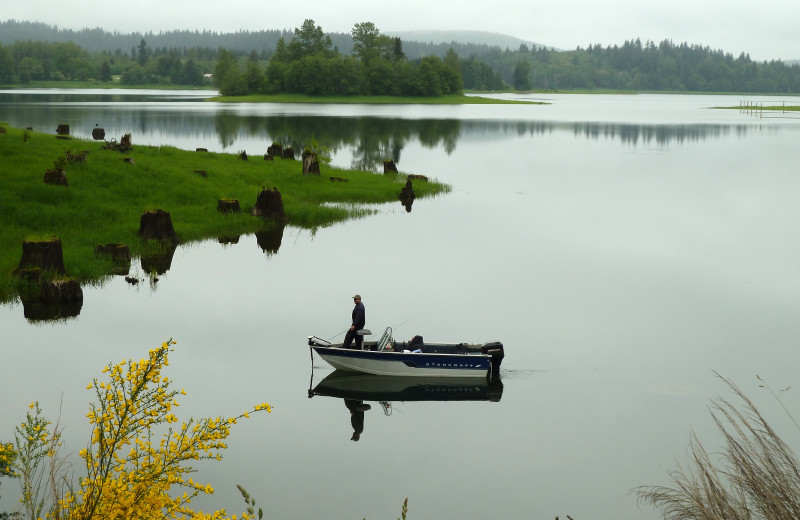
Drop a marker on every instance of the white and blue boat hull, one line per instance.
(406, 363)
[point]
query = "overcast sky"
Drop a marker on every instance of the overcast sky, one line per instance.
(767, 29)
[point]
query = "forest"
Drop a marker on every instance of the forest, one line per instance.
(366, 61)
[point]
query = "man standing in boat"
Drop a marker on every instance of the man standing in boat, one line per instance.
(359, 319)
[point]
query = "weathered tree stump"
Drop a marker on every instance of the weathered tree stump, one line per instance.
(123, 146)
(54, 300)
(157, 225)
(74, 158)
(275, 150)
(228, 206)
(46, 255)
(120, 254)
(407, 196)
(389, 166)
(62, 129)
(98, 134)
(56, 177)
(58, 291)
(243, 155)
(310, 163)
(269, 240)
(269, 205)
(288, 153)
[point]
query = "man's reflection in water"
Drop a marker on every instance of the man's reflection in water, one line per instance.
(357, 409)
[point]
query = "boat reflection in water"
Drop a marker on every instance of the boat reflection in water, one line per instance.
(357, 390)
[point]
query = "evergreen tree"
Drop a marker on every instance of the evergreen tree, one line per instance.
(522, 75)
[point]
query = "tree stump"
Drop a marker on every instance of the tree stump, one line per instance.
(228, 206)
(310, 163)
(415, 177)
(269, 205)
(56, 177)
(389, 166)
(58, 300)
(120, 254)
(46, 255)
(288, 153)
(269, 240)
(98, 134)
(59, 291)
(75, 158)
(275, 150)
(157, 225)
(125, 142)
(62, 129)
(243, 155)
(407, 196)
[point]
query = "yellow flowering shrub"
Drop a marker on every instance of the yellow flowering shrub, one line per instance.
(140, 456)
(7, 456)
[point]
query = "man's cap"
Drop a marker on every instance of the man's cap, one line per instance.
(357, 297)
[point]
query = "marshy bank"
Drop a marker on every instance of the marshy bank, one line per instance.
(88, 193)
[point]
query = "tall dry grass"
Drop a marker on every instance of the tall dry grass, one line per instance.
(756, 476)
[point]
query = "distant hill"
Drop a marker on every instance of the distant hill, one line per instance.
(465, 37)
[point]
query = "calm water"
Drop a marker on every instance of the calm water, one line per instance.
(623, 248)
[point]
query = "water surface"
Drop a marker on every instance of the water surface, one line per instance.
(623, 248)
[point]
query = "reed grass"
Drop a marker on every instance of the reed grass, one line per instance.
(107, 196)
(757, 476)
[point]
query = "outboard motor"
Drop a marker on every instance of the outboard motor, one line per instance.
(494, 349)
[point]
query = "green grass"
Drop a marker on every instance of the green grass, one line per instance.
(377, 100)
(106, 197)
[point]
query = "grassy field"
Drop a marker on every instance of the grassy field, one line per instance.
(106, 197)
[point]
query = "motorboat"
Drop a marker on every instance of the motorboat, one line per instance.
(414, 358)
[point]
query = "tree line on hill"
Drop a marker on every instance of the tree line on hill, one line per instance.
(267, 62)
(637, 66)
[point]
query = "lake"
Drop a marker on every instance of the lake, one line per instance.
(624, 248)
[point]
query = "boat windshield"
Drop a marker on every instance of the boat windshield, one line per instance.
(386, 341)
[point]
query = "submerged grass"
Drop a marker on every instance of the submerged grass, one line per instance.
(107, 196)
